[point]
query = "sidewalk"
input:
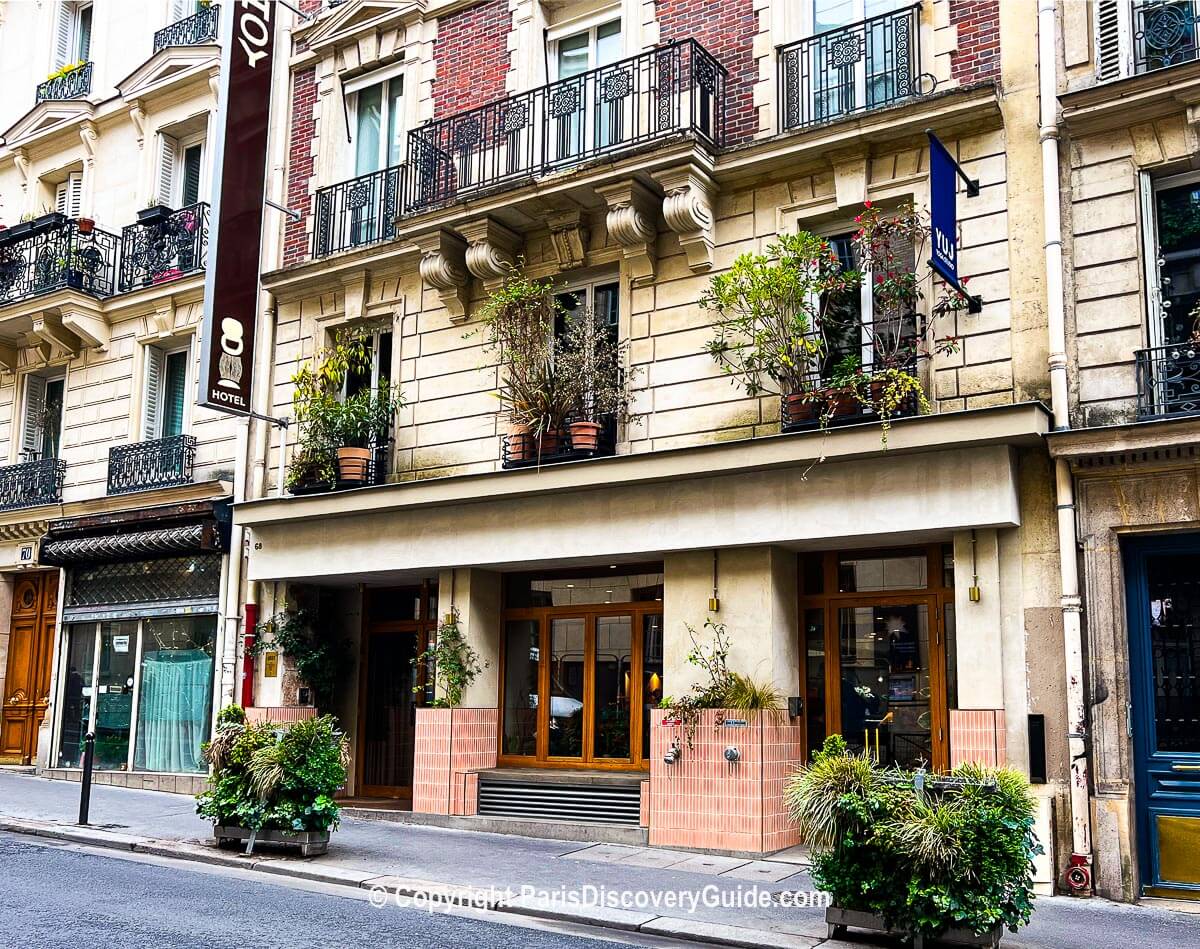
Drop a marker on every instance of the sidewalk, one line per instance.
(411, 858)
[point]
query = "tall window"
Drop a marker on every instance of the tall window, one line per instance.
(602, 297)
(68, 195)
(180, 169)
(575, 54)
(1175, 251)
(73, 33)
(378, 125)
(380, 370)
(41, 431)
(166, 391)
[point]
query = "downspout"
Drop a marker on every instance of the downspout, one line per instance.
(1079, 876)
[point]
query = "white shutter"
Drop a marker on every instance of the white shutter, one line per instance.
(63, 28)
(61, 199)
(154, 393)
(181, 9)
(167, 147)
(35, 409)
(1112, 38)
(68, 195)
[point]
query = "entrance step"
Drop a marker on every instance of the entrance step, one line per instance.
(542, 829)
(582, 797)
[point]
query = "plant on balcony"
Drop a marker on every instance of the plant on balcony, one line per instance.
(451, 661)
(66, 70)
(592, 362)
(917, 853)
(518, 326)
(361, 422)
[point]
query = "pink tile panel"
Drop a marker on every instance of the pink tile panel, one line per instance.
(431, 761)
(279, 714)
(977, 735)
(472, 748)
(645, 802)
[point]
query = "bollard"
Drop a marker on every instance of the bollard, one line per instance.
(85, 781)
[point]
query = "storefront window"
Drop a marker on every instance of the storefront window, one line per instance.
(652, 672)
(601, 587)
(567, 665)
(77, 693)
(175, 695)
(521, 661)
(614, 655)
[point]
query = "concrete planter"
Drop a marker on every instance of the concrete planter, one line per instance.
(840, 919)
(310, 842)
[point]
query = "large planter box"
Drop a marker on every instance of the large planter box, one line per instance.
(839, 919)
(310, 842)
(450, 746)
(705, 801)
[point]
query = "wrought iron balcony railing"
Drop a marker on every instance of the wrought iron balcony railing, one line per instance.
(31, 483)
(158, 463)
(200, 27)
(56, 253)
(676, 88)
(356, 212)
(823, 404)
(1168, 380)
(524, 450)
(1166, 33)
(154, 252)
(73, 84)
(851, 69)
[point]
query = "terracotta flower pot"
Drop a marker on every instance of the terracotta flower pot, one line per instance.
(548, 443)
(585, 436)
(518, 443)
(842, 402)
(353, 464)
(799, 407)
(86, 225)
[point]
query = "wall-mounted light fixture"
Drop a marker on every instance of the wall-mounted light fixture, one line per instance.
(973, 591)
(714, 602)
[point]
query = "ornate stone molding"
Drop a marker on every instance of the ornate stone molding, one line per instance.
(687, 209)
(568, 237)
(632, 222)
(492, 248)
(443, 267)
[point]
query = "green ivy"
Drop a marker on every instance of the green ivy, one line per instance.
(320, 659)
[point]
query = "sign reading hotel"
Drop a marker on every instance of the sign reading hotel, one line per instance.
(239, 187)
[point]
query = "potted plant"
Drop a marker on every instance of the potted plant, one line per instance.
(47, 221)
(86, 225)
(770, 310)
(154, 213)
(360, 423)
(273, 784)
(591, 362)
(450, 661)
(916, 854)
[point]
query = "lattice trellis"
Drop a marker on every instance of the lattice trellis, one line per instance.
(197, 576)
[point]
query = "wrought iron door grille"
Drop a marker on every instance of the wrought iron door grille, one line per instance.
(164, 250)
(31, 483)
(1168, 380)
(56, 255)
(158, 463)
(1165, 34)
(200, 27)
(851, 69)
(194, 577)
(73, 84)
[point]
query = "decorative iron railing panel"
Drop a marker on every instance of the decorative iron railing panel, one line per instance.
(676, 88)
(1166, 33)
(200, 27)
(158, 463)
(823, 404)
(55, 256)
(1168, 380)
(73, 84)
(357, 212)
(851, 69)
(524, 450)
(160, 251)
(31, 483)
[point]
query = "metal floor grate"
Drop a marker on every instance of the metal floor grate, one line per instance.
(591, 804)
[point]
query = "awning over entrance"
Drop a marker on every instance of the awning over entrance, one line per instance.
(137, 535)
(128, 546)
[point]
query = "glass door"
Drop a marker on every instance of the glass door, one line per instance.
(567, 671)
(569, 101)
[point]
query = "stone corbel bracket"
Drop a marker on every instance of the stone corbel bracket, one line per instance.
(444, 267)
(93, 330)
(687, 209)
(61, 341)
(492, 249)
(568, 238)
(632, 222)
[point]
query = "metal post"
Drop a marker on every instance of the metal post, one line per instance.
(85, 783)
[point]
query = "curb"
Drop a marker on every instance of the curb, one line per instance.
(609, 919)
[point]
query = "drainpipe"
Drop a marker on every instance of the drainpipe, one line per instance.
(1079, 875)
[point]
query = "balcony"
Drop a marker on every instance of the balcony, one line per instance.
(357, 212)
(55, 252)
(1168, 380)
(74, 83)
(825, 404)
(676, 89)
(851, 69)
(31, 483)
(158, 463)
(524, 450)
(161, 248)
(1164, 34)
(200, 27)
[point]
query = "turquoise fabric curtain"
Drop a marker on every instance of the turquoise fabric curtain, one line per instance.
(173, 710)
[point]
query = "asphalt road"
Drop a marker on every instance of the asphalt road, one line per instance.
(53, 896)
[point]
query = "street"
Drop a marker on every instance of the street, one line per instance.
(58, 897)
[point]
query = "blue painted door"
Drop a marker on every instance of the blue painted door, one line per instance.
(1163, 605)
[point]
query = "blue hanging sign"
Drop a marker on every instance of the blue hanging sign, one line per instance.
(943, 214)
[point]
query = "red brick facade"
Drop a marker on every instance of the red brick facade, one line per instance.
(978, 54)
(727, 31)
(471, 53)
(300, 163)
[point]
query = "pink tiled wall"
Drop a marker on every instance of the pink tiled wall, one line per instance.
(450, 745)
(703, 801)
(644, 820)
(279, 714)
(977, 735)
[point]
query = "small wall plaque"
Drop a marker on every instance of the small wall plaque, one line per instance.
(270, 665)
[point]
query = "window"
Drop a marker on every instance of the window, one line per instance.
(68, 195)
(378, 124)
(41, 431)
(575, 54)
(380, 371)
(73, 33)
(182, 9)
(180, 170)
(166, 391)
(602, 297)
(151, 705)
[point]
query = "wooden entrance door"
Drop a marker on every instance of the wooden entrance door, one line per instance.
(30, 654)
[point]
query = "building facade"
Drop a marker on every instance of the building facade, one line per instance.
(116, 488)
(629, 151)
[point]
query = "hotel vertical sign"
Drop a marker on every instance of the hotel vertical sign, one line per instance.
(239, 187)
